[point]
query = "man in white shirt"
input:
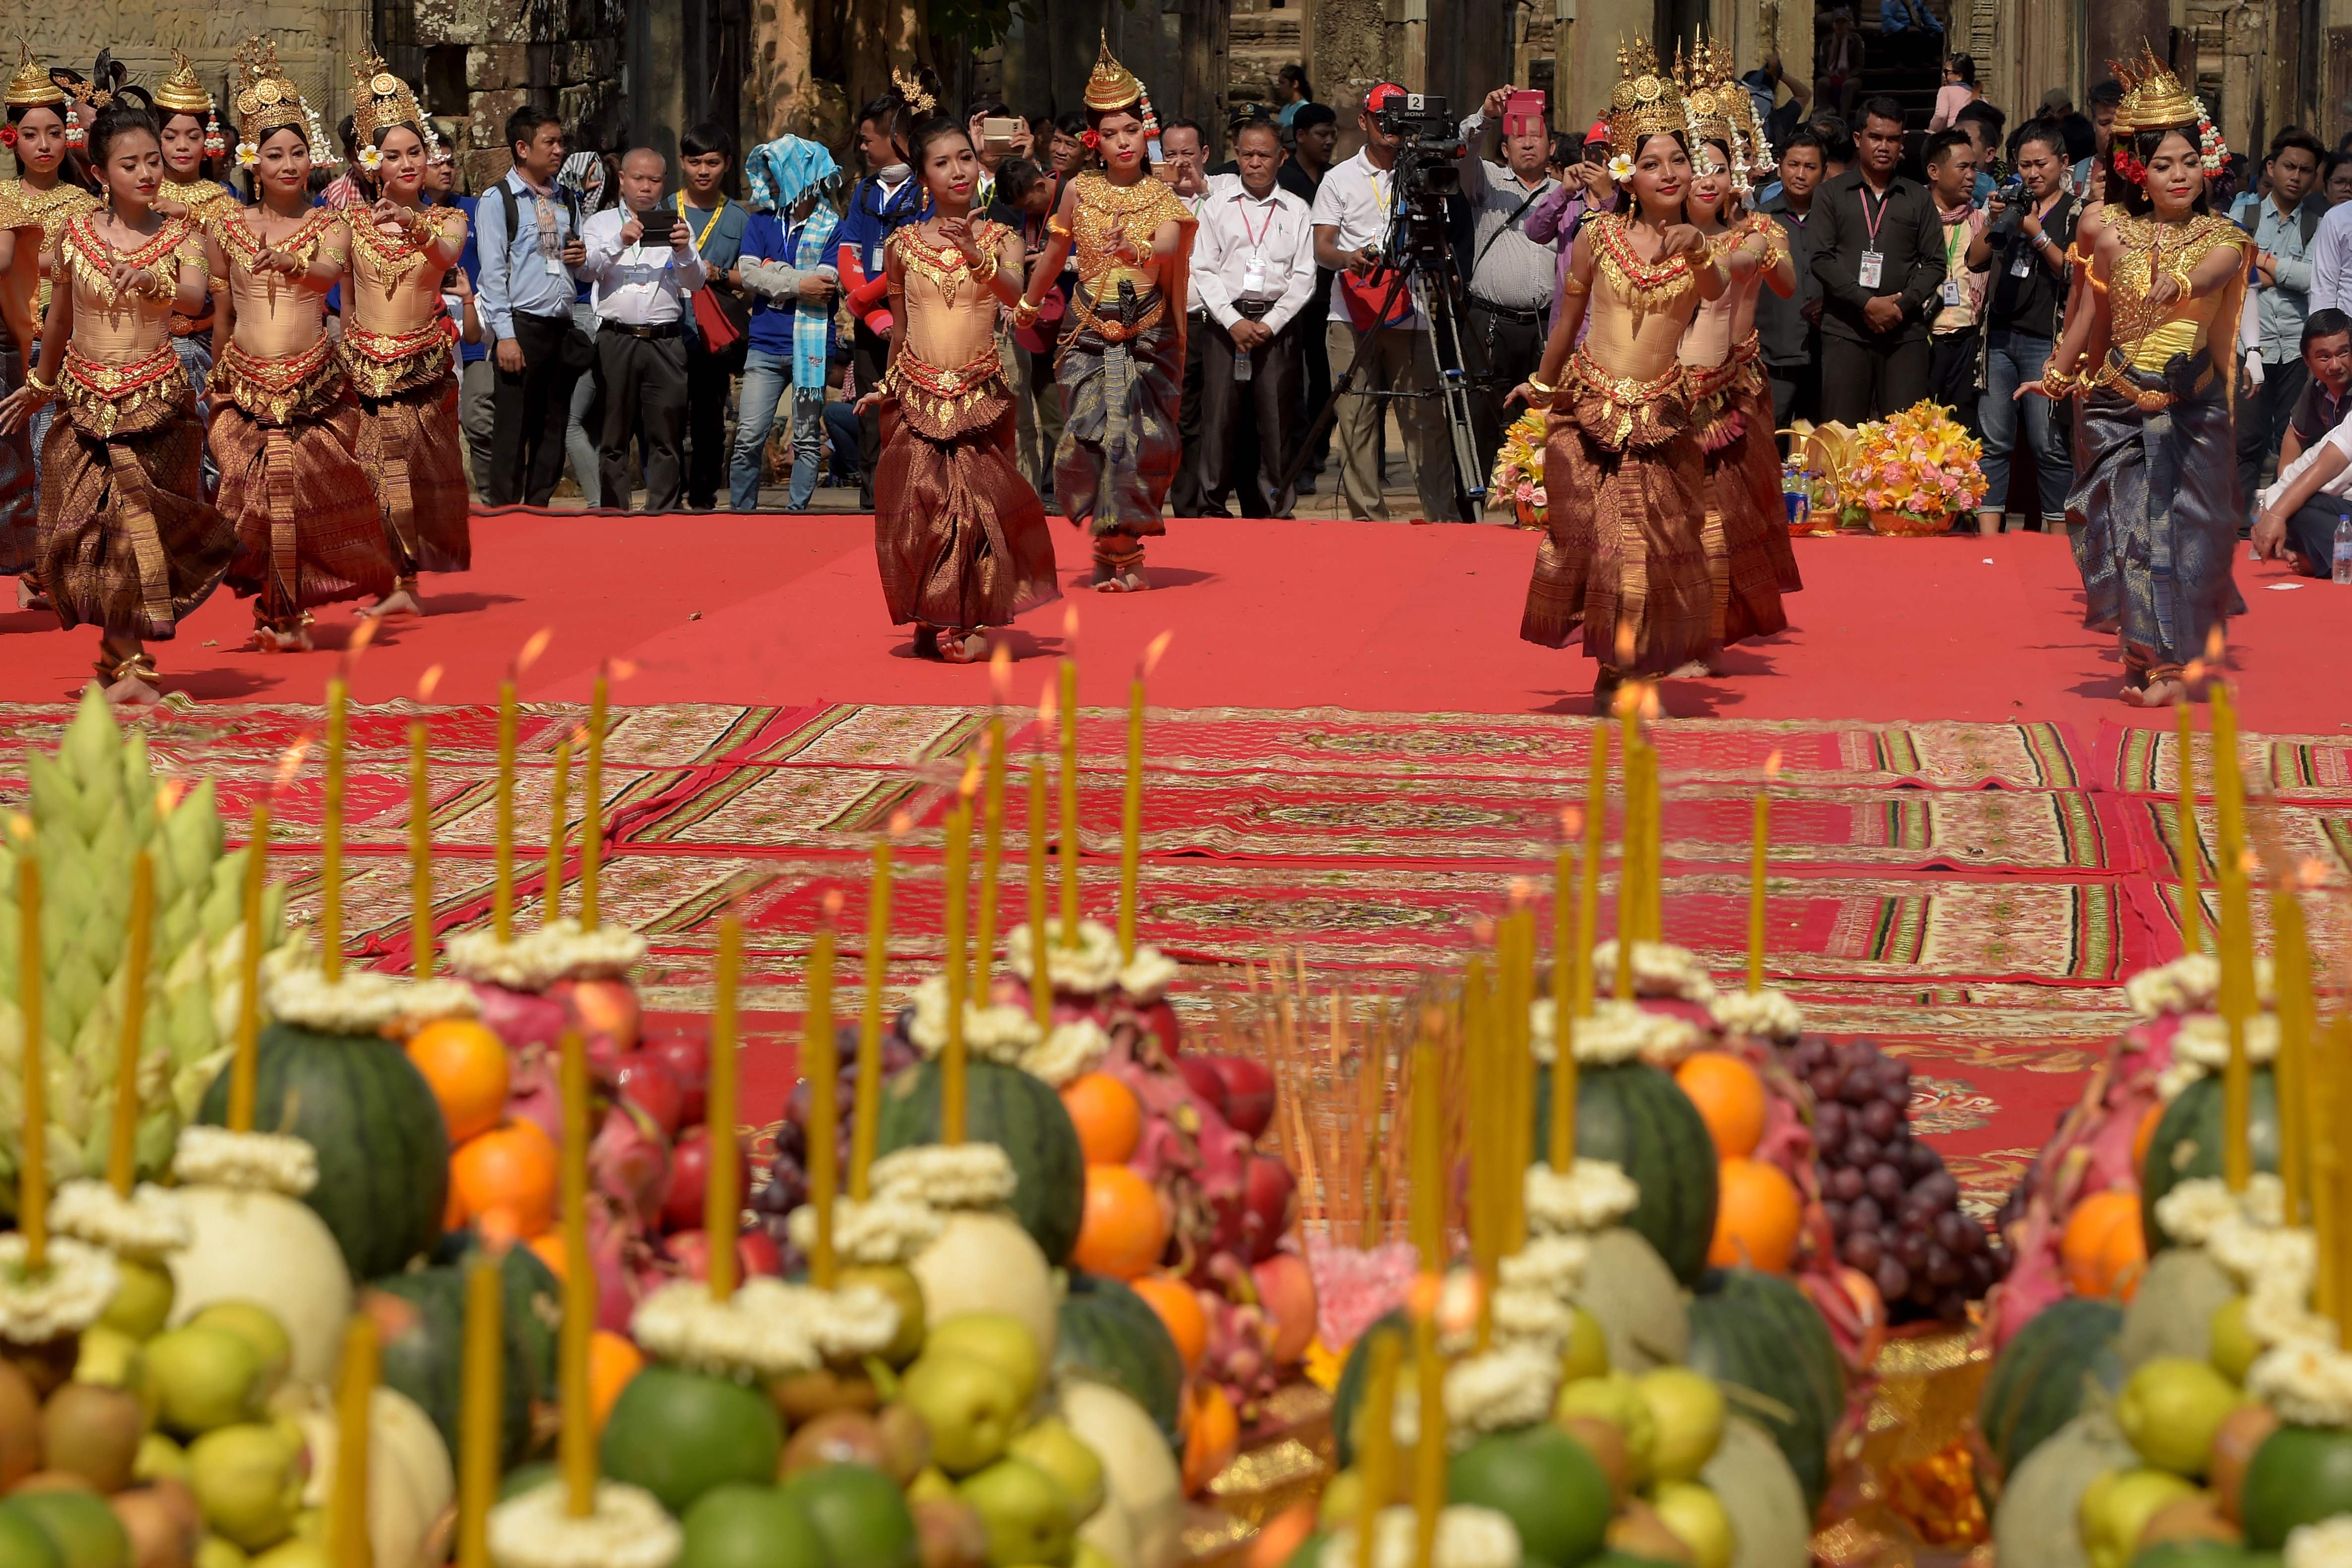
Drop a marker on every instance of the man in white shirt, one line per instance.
(1184, 157)
(642, 261)
(2301, 511)
(2331, 261)
(1352, 214)
(1253, 270)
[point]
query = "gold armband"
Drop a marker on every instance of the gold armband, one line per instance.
(1057, 229)
(1572, 284)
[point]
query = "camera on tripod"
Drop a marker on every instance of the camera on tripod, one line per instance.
(1428, 173)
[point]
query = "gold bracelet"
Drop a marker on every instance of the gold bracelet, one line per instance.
(984, 269)
(1540, 390)
(44, 390)
(1025, 314)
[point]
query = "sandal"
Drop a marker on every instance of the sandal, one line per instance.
(1117, 570)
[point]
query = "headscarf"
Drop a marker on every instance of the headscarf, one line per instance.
(780, 173)
(583, 173)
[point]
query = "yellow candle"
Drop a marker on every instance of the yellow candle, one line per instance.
(331, 835)
(1518, 1108)
(2297, 1017)
(1588, 892)
(2236, 945)
(1561, 1153)
(1488, 1148)
(576, 1439)
(1429, 1453)
(1070, 801)
(121, 1151)
(867, 1118)
(1377, 1463)
(347, 1503)
(2192, 919)
(559, 805)
(33, 1170)
(1131, 821)
(420, 856)
(1654, 853)
(502, 893)
(821, 1063)
(482, 1392)
(592, 825)
(722, 1200)
(2319, 1123)
(951, 1058)
(1041, 974)
(991, 859)
(245, 1064)
(1429, 1145)
(2339, 1053)
(1759, 836)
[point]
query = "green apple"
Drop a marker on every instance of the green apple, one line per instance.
(1342, 1502)
(906, 1294)
(2117, 1506)
(2234, 1347)
(997, 1337)
(1686, 1407)
(219, 1551)
(1617, 1399)
(247, 1483)
(299, 1553)
(158, 1458)
(930, 1485)
(1697, 1516)
(971, 1407)
(1053, 1448)
(142, 1301)
(1029, 1516)
(2170, 1408)
(113, 1358)
(1586, 1353)
(210, 1378)
(1089, 1555)
(257, 1326)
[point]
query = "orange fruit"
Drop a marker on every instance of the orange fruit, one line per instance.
(1730, 1098)
(1108, 1117)
(1756, 1216)
(1123, 1229)
(465, 1065)
(548, 1247)
(510, 1168)
(612, 1362)
(2103, 1247)
(1213, 1436)
(1181, 1310)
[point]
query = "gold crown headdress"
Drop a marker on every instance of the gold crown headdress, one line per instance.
(267, 101)
(182, 92)
(1644, 102)
(910, 91)
(33, 87)
(1112, 85)
(380, 101)
(1706, 107)
(2157, 99)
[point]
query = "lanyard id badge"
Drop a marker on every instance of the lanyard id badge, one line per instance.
(1951, 290)
(1874, 260)
(1874, 266)
(1253, 274)
(2020, 264)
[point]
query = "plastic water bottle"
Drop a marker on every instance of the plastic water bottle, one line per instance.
(2343, 573)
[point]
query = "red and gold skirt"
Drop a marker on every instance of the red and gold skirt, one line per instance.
(1750, 562)
(410, 444)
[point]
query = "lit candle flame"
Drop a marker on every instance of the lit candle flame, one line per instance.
(1522, 890)
(290, 764)
(901, 824)
(1151, 659)
(362, 634)
(167, 796)
(428, 683)
(1047, 706)
(1625, 643)
(1571, 822)
(1070, 622)
(1773, 767)
(533, 646)
(2214, 643)
(2311, 873)
(1000, 673)
(1482, 930)
(831, 905)
(620, 669)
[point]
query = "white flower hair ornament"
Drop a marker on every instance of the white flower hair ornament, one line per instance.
(2213, 151)
(1621, 168)
(371, 157)
(247, 154)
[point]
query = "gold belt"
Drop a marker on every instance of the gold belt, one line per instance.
(1113, 332)
(105, 398)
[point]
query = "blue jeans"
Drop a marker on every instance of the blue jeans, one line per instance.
(767, 383)
(579, 453)
(2012, 359)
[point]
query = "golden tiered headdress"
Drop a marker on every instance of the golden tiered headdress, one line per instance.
(2157, 99)
(1645, 102)
(381, 99)
(1113, 86)
(1706, 106)
(32, 87)
(184, 92)
(267, 101)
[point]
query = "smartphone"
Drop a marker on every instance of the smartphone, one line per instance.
(1151, 152)
(1523, 111)
(997, 132)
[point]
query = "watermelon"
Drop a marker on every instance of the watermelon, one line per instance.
(2188, 1142)
(681, 1434)
(1758, 1336)
(1109, 1333)
(1021, 1115)
(1639, 1117)
(2300, 1475)
(383, 1150)
(2040, 1376)
(424, 1347)
(1353, 1376)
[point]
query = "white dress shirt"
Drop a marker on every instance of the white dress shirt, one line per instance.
(1259, 251)
(1357, 199)
(2331, 260)
(2339, 487)
(640, 285)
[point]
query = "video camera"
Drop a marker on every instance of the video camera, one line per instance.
(1427, 173)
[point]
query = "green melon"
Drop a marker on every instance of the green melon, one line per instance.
(79, 1525)
(424, 1345)
(1020, 1114)
(860, 1515)
(2035, 1520)
(24, 1543)
(383, 1150)
(680, 1434)
(2196, 1554)
(1109, 1333)
(2188, 1142)
(2041, 1377)
(1758, 1336)
(1355, 1373)
(2172, 1313)
(739, 1526)
(1545, 1482)
(1639, 1117)
(2299, 1476)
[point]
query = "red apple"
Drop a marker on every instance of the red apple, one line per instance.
(756, 1253)
(687, 1254)
(606, 1008)
(1286, 1290)
(1271, 1195)
(647, 1083)
(687, 1057)
(1249, 1093)
(689, 1176)
(1206, 1080)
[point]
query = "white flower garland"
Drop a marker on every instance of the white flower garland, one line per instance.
(1617, 1032)
(881, 1231)
(144, 1227)
(628, 1530)
(258, 1161)
(1147, 975)
(958, 1177)
(1072, 1050)
(1534, 1316)
(846, 1324)
(533, 961)
(1591, 1197)
(1766, 1014)
(2201, 1048)
(1554, 1264)
(1467, 1537)
(67, 1297)
(2325, 1545)
(2190, 983)
(1090, 968)
(2307, 1382)
(363, 1002)
(1659, 970)
(2193, 1209)
(997, 1035)
(744, 1337)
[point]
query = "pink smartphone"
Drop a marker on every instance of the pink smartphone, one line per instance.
(1523, 111)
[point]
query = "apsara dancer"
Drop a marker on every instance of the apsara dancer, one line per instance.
(1624, 560)
(1121, 367)
(128, 543)
(2156, 505)
(395, 347)
(284, 422)
(191, 145)
(1748, 560)
(960, 538)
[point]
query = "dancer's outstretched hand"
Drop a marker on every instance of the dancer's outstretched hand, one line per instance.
(18, 408)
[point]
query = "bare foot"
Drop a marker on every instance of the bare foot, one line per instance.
(29, 596)
(401, 601)
(1693, 669)
(970, 647)
(2157, 694)
(1604, 694)
(282, 639)
(129, 680)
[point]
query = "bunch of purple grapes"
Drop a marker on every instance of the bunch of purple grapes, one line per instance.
(1894, 1209)
(787, 1187)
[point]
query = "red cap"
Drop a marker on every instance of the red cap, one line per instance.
(1378, 97)
(1600, 131)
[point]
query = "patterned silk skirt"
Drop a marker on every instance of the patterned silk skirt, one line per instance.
(308, 530)
(958, 536)
(20, 498)
(410, 444)
(1623, 558)
(127, 544)
(1121, 372)
(2155, 510)
(1748, 559)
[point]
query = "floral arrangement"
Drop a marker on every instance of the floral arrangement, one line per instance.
(1519, 476)
(1918, 465)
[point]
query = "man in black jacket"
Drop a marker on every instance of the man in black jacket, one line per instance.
(1879, 255)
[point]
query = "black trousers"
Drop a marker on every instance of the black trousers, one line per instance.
(1952, 373)
(708, 377)
(528, 414)
(1188, 493)
(1315, 360)
(2262, 414)
(869, 355)
(644, 398)
(1869, 380)
(1268, 401)
(1503, 347)
(1796, 394)
(2311, 531)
